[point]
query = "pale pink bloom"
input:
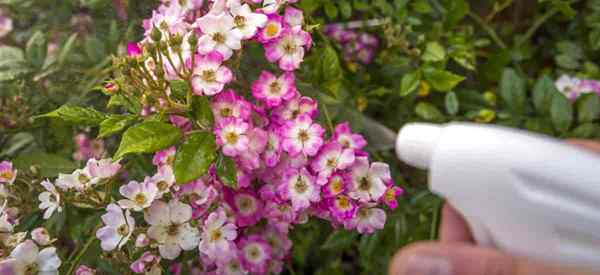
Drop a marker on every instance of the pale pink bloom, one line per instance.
(302, 136)
(272, 151)
(344, 136)
(210, 76)
(102, 169)
(367, 220)
(296, 107)
(142, 240)
(288, 50)
(49, 199)
(217, 237)
(7, 173)
(369, 183)
(293, 16)
(118, 228)
(246, 21)
(79, 180)
(273, 28)
(274, 90)
(164, 157)
(229, 104)
(231, 136)
(140, 195)
(331, 158)
(163, 179)
(257, 142)
(145, 263)
(254, 253)
(6, 25)
(169, 19)
(85, 270)
(27, 256)
(219, 34)
(300, 188)
(41, 236)
(170, 228)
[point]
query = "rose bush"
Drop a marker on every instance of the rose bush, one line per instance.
(246, 137)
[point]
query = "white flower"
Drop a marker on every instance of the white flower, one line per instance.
(169, 226)
(218, 35)
(26, 259)
(139, 195)
(40, 236)
(118, 228)
(246, 21)
(79, 180)
(49, 200)
(163, 179)
(5, 225)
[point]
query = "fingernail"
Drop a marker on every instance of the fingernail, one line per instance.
(428, 265)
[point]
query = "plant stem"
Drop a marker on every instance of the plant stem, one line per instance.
(80, 254)
(328, 118)
(491, 32)
(538, 23)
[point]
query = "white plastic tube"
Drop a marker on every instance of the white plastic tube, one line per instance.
(524, 193)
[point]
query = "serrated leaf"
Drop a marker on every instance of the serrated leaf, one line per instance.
(201, 110)
(227, 172)
(442, 80)
(409, 83)
(148, 137)
(543, 91)
(115, 124)
(512, 91)
(76, 115)
(588, 107)
(434, 52)
(48, 165)
(561, 113)
(339, 239)
(452, 104)
(194, 157)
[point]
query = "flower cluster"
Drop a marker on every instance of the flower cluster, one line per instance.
(573, 87)
(357, 46)
(27, 257)
(87, 148)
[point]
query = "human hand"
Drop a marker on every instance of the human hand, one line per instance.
(457, 254)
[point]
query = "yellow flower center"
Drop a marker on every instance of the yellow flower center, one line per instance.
(275, 88)
(215, 235)
(300, 185)
(140, 199)
(209, 76)
(239, 21)
(219, 38)
(272, 29)
(364, 184)
(231, 138)
(303, 136)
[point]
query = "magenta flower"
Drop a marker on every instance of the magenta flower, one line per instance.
(302, 136)
(272, 152)
(342, 207)
(300, 188)
(367, 220)
(7, 173)
(369, 183)
(273, 28)
(274, 90)
(293, 17)
(296, 107)
(344, 136)
(228, 104)
(145, 263)
(247, 207)
(289, 48)
(210, 76)
(133, 49)
(257, 142)
(164, 157)
(331, 158)
(254, 253)
(389, 198)
(336, 184)
(231, 136)
(85, 270)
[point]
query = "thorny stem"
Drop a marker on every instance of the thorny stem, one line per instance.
(491, 32)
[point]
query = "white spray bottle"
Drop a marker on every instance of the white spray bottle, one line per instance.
(523, 193)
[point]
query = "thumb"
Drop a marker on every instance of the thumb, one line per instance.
(463, 259)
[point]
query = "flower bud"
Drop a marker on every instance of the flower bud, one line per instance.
(193, 40)
(175, 40)
(40, 236)
(490, 98)
(155, 34)
(111, 88)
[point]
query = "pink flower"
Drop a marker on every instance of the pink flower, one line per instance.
(293, 16)
(232, 267)
(7, 173)
(278, 241)
(272, 29)
(219, 34)
(231, 135)
(273, 149)
(210, 76)
(118, 228)
(41, 236)
(164, 157)
(254, 253)
(299, 187)
(344, 136)
(336, 184)
(217, 237)
(247, 22)
(289, 48)
(342, 207)
(145, 263)
(274, 90)
(331, 158)
(229, 104)
(296, 107)
(139, 195)
(133, 49)
(247, 207)
(389, 198)
(302, 136)
(181, 122)
(257, 142)
(102, 169)
(163, 179)
(369, 183)
(367, 220)
(85, 270)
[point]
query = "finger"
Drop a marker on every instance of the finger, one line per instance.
(454, 228)
(587, 144)
(464, 259)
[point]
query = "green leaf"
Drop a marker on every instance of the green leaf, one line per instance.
(227, 172)
(452, 105)
(422, 6)
(409, 83)
(539, 125)
(434, 52)
(11, 56)
(330, 64)
(76, 115)
(586, 130)
(588, 107)
(117, 100)
(543, 91)
(67, 48)
(179, 89)
(48, 165)
(428, 112)
(148, 137)
(194, 157)
(442, 80)
(13, 73)
(368, 244)
(456, 10)
(201, 110)
(595, 39)
(95, 49)
(115, 124)
(345, 9)
(561, 113)
(512, 91)
(340, 239)
(36, 49)
(331, 10)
